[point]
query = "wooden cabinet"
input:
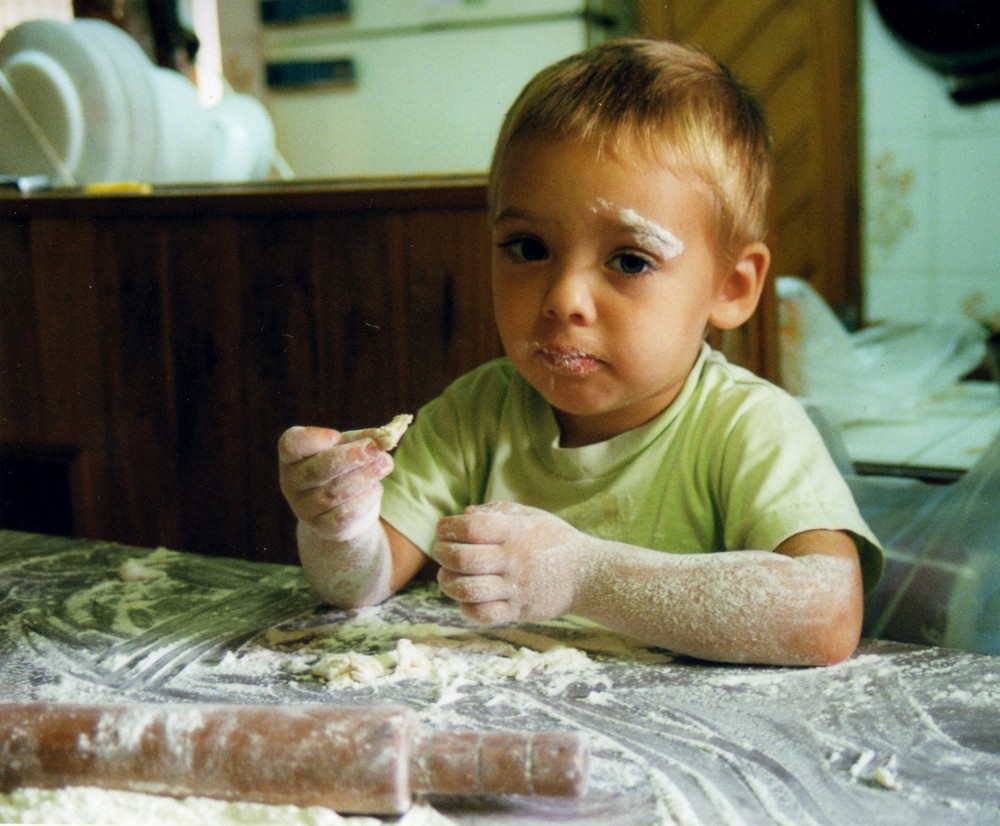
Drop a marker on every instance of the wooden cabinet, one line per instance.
(157, 346)
(153, 348)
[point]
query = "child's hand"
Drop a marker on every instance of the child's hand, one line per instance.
(506, 562)
(332, 486)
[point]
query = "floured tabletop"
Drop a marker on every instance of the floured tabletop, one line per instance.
(897, 734)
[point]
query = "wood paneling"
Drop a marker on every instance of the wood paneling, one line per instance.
(166, 342)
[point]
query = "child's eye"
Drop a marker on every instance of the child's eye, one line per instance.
(630, 263)
(524, 249)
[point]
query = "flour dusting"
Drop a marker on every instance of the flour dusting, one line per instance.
(133, 570)
(90, 805)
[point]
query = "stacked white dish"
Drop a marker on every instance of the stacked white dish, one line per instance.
(81, 101)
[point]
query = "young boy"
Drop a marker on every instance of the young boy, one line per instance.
(613, 466)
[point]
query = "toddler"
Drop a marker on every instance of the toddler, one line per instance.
(612, 466)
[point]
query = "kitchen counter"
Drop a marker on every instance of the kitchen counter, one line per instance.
(939, 439)
(274, 197)
(897, 734)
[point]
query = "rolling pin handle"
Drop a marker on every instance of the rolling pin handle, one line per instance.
(454, 763)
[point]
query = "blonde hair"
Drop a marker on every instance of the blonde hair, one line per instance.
(666, 101)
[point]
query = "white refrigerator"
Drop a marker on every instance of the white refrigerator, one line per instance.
(411, 87)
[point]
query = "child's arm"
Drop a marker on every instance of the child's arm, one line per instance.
(350, 558)
(800, 606)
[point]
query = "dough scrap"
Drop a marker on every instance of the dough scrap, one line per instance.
(387, 436)
(134, 570)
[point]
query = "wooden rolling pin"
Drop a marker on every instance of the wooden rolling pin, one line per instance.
(350, 759)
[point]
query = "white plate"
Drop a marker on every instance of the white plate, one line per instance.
(132, 69)
(102, 156)
(187, 140)
(48, 94)
(115, 145)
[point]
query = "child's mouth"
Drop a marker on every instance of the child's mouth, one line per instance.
(567, 360)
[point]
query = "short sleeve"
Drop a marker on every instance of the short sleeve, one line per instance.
(443, 460)
(779, 479)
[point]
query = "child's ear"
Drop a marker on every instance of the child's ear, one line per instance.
(741, 286)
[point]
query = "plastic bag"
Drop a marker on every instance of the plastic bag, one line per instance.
(878, 373)
(941, 584)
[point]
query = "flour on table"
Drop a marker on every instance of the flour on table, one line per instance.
(89, 805)
(688, 743)
(428, 659)
(128, 599)
(875, 771)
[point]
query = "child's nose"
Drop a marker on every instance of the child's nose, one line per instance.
(570, 298)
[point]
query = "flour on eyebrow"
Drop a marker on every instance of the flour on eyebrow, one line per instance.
(647, 232)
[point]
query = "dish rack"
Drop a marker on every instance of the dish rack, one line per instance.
(82, 103)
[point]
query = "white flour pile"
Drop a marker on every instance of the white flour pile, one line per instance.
(86, 805)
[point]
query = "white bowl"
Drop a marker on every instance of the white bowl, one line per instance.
(245, 138)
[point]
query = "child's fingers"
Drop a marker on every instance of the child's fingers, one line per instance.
(339, 462)
(311, 501)
(298, 443)
(478, 528)
(470, 590)
(503, 508)
(491, 522)
(462, 558)
(350, 518)
(500, 612)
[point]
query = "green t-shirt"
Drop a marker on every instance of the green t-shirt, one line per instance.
(734, 463)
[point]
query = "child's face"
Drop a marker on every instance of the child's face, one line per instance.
(605, 274)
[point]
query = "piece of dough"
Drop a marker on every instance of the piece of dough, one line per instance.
(387, 436)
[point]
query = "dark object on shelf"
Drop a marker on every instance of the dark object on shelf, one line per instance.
(957, 38)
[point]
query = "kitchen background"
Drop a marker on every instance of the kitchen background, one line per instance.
(930, 169)
(931, 174)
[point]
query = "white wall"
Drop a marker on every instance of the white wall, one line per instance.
(930, 186)
(13, 12)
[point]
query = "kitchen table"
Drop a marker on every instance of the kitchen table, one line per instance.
(897, 734)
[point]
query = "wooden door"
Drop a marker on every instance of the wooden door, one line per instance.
(800, 57)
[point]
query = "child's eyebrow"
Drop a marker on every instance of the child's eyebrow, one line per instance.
(514, 214)
(645, 230)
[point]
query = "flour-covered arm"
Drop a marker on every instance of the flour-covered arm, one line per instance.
(801, 605)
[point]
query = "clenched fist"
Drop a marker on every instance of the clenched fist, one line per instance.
(505, 562)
